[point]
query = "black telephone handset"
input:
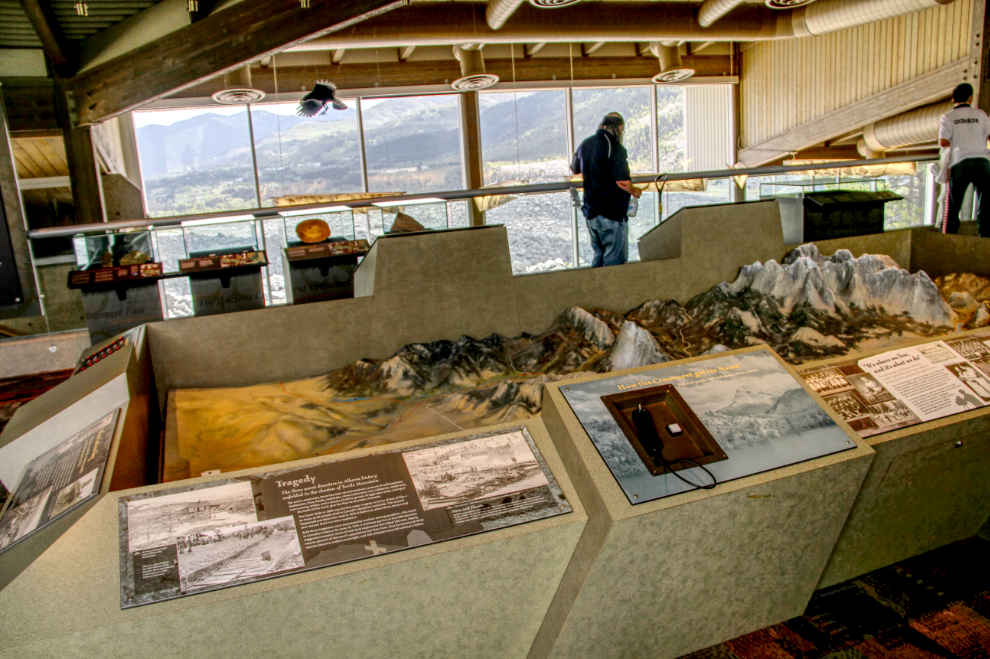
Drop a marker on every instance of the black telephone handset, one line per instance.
(646, 431)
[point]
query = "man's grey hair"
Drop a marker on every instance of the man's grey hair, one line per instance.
(614, 124)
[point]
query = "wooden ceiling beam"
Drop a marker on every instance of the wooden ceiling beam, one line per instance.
(587, 49)
(404, 53)
(440, 72)
(530, 50)
(337, 55)
(927, 88)
(58, 49)
(219, 43)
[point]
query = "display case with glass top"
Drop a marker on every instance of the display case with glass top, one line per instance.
(321, 254)
(409, 216)
(224, 261)
(118, 277)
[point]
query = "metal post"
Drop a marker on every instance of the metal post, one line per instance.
(254, 158)
(655, 147)
(364, 160)
(569, 121)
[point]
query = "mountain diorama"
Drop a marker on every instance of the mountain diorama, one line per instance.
(807, 307)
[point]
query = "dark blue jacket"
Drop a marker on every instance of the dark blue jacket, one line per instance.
(603, 161)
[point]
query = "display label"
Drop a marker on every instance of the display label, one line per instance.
(79, 278)
(58, 481)
(327, 250)
(907, 386)
(222, 261)
(194, 539)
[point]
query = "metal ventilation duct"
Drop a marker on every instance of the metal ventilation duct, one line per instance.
(473, 76)
(916, 126)
(671, 67)
(237, 88)
(833, 15)
(450, 23)
(498, 11)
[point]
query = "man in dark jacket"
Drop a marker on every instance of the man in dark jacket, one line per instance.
(602, 161)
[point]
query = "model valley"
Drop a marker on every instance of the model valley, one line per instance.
(808, 307)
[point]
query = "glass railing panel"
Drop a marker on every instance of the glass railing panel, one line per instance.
(539, 229)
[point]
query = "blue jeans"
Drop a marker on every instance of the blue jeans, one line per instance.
(609, 241)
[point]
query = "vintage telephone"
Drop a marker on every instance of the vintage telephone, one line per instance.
(668, 445)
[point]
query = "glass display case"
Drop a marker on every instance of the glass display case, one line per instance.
(430, 213)
(112, 250)
(222, 235)
(340, 219)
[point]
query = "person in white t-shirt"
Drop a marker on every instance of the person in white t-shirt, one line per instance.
(963, 130)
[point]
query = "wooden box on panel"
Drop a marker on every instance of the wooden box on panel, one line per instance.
(482, 595)
(670, 576)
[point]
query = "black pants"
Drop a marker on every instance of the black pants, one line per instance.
(975, 171)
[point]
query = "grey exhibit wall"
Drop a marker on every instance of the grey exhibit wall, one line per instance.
(484, 595)
(440, 286)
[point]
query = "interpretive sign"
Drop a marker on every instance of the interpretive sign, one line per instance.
(193, 539)
(58, 481)
(907, 386)
(756, 411)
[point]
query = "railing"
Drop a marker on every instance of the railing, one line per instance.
(455, 195)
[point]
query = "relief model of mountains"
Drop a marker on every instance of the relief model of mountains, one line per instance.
(808, 307)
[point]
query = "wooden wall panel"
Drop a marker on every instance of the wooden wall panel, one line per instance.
(789, 82)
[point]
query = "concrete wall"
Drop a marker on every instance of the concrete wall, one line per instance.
(430, 287)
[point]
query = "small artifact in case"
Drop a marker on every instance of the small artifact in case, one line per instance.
(665, 432)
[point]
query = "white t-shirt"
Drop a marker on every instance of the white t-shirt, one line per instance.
(967, 129)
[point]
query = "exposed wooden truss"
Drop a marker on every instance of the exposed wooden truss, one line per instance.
(439, 72)
(219, 43)
(531, 49)
(56, 46)
(587, 49)
(405, 53)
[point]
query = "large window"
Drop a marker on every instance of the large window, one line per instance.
(196, 160)
(524, 140)
(413, 144)
(306, 155)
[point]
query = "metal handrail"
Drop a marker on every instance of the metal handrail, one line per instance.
(454, 195)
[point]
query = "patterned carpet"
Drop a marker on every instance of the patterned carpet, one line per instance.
(933, 605)
(15, 392)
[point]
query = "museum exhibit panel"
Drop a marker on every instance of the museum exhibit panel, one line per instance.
(313, 279)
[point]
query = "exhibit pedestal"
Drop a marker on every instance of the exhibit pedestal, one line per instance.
(224, 293)
(927, 487)
(312, 275)
(668, 577)
(111, 311)
(483, 595)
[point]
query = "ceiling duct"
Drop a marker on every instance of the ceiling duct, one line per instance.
(671, 67)
(834, 15)
(712, 10)
(917, 126)
(497, 12)
(237, 88)
(450, 23)
(473, 76)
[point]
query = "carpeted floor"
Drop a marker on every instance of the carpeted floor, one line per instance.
(15, 392)
(933, 605)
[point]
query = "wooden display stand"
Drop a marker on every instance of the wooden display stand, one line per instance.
(668, 577)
